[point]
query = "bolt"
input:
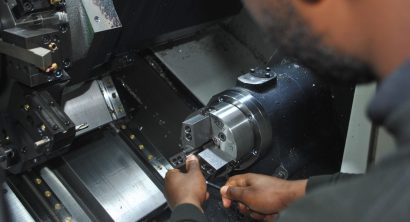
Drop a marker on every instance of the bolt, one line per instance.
(255, 152)
(219, 124)
(97, 19)
(28, 6)
(141, 147)
(38, 181)
(268, 69)
(26, 107)
(66, 63)
(67, 123)
(150, 157)
(53, 67)
(63, 28)
(222, 137)
(43, 127)
(187, 129)
(55, 2)
(51, 103)
(68, 219)
(132, 137)
(47, 193)
(123, 127)
(57, 206)
(53, 46)
(188, 137)
(268, 74)
(46, 39)
(252, 70)
(58, 74)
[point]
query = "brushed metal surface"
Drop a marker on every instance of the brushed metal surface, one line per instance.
(115, 180)
(17, 211)
(64, 195)
(209, 65)
(93, 104)
(40, 57)
(88, 108)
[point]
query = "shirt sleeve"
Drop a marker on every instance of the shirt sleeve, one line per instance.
(326, 180)
(187, 213)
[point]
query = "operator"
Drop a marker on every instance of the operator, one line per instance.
(354, 41)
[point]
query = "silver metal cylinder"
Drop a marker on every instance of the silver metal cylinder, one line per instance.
(231, 130)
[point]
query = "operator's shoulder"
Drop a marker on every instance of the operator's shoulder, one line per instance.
(381, 195)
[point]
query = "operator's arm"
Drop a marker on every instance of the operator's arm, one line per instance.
(326, 180)
(187, 213)
(263, 197)
(186, 192)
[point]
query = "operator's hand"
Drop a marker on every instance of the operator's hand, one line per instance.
(262, 197)
(186, 188)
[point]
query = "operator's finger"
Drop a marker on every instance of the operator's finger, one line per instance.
(226, 202)
(243, 209)
(172, 171)
(257, 216)
(240, 194)
(242, 180)
(192, 164)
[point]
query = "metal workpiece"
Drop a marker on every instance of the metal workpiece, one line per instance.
(215, 159)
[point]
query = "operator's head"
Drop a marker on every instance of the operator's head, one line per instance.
(324, 35)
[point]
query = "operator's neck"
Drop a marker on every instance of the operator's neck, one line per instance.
(391, 56)
(389, 37)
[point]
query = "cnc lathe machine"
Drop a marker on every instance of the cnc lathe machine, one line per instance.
(99, 98)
